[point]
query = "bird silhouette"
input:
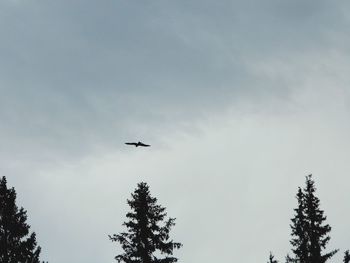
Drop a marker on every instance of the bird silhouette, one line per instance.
(137, 144)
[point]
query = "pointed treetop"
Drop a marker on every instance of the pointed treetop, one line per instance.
(16, 244)
(147, 236)
(310, 233)
(346, 257)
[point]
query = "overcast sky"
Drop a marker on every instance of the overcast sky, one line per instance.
(240, 100)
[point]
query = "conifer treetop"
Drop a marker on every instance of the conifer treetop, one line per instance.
(147, 239)
(16, 244)
(310, 233)
(346, 257)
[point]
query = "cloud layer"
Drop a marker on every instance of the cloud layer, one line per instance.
(239, 99)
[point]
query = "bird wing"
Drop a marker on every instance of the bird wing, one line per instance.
(144, 145)
(130, 143)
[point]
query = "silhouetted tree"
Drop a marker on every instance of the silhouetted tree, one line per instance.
(299, 226)
(309, 232)
(16, 244)
(346, 257)
(145, 239)
(272, 259)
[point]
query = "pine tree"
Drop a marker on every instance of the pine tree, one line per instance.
(309, 231)
(346, 257)
(145, 239)
(298, 226)
(16, 244)
(272, 259)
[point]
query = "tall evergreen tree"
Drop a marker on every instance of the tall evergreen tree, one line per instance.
(147, 235)
(346, 257)
(16, 244)
(299, 226)
(309, 231)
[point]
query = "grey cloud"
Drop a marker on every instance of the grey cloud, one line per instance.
(77, 78)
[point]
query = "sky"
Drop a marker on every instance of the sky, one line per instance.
(240, 100)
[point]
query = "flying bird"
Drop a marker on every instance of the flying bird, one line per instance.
(137, 144)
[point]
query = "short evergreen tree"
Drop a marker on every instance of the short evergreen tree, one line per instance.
(16, 244)
(346, 257)
(272, 259)
(309, 231)
(146, 240)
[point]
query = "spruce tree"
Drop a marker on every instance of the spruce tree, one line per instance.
(346, 257)
(309, 231)
(16, 244)
(298, 226)
(147, 236)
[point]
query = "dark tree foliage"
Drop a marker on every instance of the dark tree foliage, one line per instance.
(272, 259)
(346, 257)
(147, 236)
(16, 244)
(299, 226)
(309, 231)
